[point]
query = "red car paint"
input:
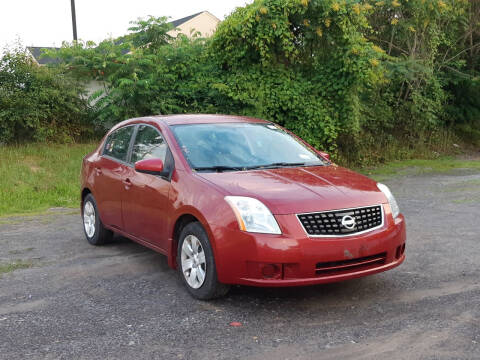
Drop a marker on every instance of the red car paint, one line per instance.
(148, 209)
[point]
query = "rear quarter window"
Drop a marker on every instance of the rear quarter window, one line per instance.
(118, 142)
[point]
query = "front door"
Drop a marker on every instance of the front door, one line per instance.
(146, 206)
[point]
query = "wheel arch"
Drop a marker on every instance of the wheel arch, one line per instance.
(85, 192)
(183, 219)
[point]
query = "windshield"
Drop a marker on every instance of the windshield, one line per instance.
(241, 146)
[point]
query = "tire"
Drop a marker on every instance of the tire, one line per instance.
(93, 228)
(192, 243)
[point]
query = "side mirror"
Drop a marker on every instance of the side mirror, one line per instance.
(324, 154)
(150, 166)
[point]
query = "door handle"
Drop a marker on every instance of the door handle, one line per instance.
(98, 171)
(127, 183)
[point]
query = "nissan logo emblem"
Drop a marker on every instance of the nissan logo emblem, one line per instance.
(348, 222)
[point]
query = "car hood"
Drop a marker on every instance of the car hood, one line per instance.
(300, 189)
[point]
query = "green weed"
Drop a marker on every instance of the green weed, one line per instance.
(36, 177)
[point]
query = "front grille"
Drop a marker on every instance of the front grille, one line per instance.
(333, 267)
(342, 222)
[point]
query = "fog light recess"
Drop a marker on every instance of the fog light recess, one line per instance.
(270, 271)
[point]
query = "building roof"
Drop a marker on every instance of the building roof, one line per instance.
(37, 55)
(177, 23)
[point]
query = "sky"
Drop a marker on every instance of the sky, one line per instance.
(49, 22)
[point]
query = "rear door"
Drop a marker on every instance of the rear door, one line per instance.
(110, 171)
(146, 206)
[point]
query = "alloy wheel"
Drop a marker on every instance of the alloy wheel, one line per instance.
(193, 262)
(89, 219)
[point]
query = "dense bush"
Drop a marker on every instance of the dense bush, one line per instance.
(429, 62)
(359, 78)
(363, 77)
(38, 104)
(302, 63)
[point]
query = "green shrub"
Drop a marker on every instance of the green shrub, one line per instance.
(38, 103)
(368, 80)
(302, 64)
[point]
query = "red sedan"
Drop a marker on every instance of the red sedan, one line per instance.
(237, 200)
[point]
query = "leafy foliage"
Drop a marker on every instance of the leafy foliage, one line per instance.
(38, 104)
(355, 77)
(152, 32)
(300, 63)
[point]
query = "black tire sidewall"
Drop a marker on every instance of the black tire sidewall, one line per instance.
(210, 286)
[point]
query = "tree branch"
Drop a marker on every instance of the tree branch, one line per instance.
(388, 42)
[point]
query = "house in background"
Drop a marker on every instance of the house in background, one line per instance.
(202, 22)
(35, 53)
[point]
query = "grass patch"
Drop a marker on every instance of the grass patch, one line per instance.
(36, 177)
(9, 267)
(444, 165)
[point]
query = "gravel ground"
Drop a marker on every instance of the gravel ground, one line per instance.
(122, 301)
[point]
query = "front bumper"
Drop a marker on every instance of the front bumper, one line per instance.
(241, 257)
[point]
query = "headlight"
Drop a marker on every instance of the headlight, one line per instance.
(391, 199)
(253, 215)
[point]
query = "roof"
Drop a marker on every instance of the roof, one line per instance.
(184, 119)
(177, 23)
(37, 54)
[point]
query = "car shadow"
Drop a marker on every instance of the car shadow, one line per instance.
(366, 289)
(339, 290)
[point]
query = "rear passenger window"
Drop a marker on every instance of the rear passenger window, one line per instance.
(149, 144)
(118, 142)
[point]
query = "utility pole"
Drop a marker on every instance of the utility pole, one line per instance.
(74, 21)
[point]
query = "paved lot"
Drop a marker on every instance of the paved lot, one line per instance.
(123, 302)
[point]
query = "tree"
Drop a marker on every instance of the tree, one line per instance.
(151, 33)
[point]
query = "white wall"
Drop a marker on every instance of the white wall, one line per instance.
(205, 23)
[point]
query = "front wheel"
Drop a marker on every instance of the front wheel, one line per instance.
(197, 265)
(93, 228)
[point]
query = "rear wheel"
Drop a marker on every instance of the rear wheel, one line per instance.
(197, 265)
(94, 230)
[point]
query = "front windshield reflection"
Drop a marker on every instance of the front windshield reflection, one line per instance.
(241, 146)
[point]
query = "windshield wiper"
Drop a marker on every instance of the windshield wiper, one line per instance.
(275, 165)
(219, 168)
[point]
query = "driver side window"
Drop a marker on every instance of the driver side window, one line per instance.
(149, 144)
